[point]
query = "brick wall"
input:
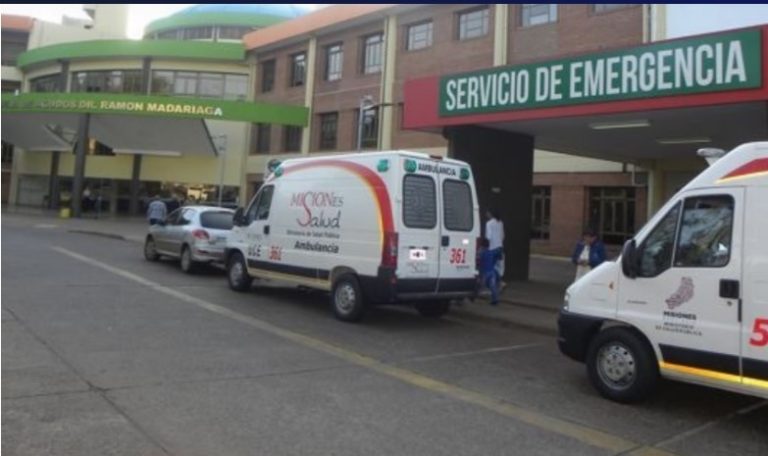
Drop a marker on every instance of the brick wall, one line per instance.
(569, 206)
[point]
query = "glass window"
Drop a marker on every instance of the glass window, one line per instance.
(259, 209)
(173, 217)
(601, 7)
(328, 127)
(535, 14)
(198, 33)
(540, 217)
(473, 23)
(704, 239)
(419, 36)
(419, 202)
(216, 220)
(185, 83)
(7, 153)
(334, 56)
(14, 43)
(186, 217)
(211, 85)
(233, 32)
(370, 130)
(263, 133)
(128, 81)
(373, 53)
(292, 139)
(458, 206)
(168, 35)
(612, 213)
(51, 83)
(267, 76)
(235, 87)
(162, 82)
(298, 69)
(655, 253)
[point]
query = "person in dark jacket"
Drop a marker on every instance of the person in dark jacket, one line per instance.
(489, 275)
(588, 254)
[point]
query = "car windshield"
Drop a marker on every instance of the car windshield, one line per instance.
(217, 220)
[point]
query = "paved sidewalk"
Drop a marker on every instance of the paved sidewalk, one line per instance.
(532, 304)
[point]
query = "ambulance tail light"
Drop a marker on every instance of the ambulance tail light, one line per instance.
(389, 250)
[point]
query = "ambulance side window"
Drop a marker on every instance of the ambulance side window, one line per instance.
(259, 208)
(704, 238)
(655, 254)
(419, 202)
(458, 212)
(264, 203)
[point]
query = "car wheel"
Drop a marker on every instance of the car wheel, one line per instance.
(347, 299)
(188, 265)
(237, 273)
(150, 249)
(621, 365)
(433, 309)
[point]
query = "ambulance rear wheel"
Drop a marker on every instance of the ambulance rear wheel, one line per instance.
(347, 299)
(433, 309)
(621, 365)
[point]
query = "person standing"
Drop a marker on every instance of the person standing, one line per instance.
(588, 254)
(494, 233)
(487, 265)
(156, 212)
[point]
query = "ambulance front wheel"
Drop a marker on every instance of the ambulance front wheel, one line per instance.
(237, 273)
(347, 299)
(621, 365)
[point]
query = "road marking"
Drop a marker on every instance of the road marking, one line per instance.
(565, 428)
(710, 424)
(471, 353)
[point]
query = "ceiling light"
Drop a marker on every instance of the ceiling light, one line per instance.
(673, 141)
(638, 123)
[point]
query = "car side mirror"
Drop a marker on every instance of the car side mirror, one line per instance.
(238, 219)
(629, 259)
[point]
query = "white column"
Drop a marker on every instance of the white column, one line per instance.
(500, 34)
(386, 96)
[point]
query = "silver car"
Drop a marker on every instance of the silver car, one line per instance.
(193, 234)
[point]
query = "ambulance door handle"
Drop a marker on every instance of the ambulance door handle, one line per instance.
(266, 229)
(729, 289)
(445, 241)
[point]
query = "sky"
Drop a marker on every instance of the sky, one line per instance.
(139, 15)
(690, 19)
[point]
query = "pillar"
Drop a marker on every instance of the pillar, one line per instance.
(502, 166)
(53, 181)
(79, 172)
(133, 203)
(310, 74)
(500, 34)
(387, 88)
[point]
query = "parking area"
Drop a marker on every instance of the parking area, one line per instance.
(106, 353)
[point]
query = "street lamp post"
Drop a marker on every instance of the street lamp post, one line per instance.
(220, 141)
(366, 103)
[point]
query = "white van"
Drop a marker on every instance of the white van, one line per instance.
(372, 228)
(688, 298)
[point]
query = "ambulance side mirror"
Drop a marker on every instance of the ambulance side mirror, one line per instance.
(239, 218)
(629, 259)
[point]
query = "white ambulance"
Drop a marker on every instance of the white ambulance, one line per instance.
(372, 228)
(688, 298)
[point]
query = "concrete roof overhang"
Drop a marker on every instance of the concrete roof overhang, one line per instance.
(631, 129)
(133, 124)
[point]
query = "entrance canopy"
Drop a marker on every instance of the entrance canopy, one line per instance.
(661, 100)
(130, 124)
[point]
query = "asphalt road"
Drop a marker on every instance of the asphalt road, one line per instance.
(104, 353)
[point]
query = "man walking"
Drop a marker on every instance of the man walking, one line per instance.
(494, 232)
(156, 211)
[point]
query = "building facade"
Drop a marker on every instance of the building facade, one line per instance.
(343, 57)
(195, 54)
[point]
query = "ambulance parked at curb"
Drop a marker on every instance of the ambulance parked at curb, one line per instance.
(688, 298)
(372, 228)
